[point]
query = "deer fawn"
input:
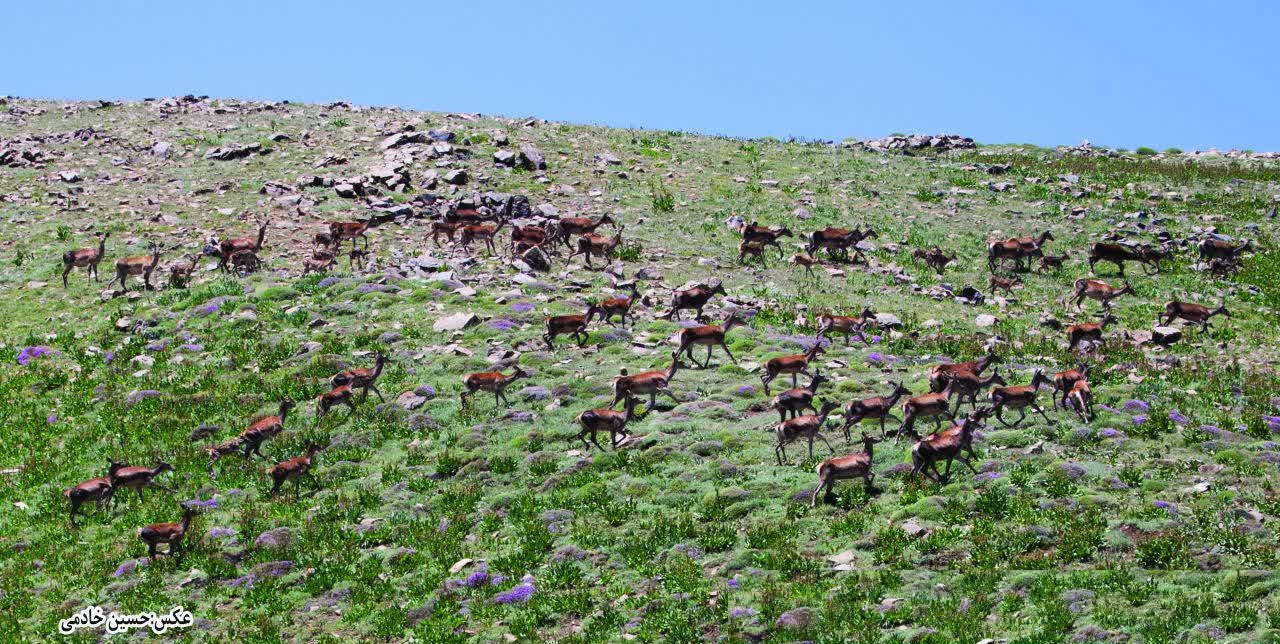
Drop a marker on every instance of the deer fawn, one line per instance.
(846, 325)
(494, 381)
(364, 378)
(934, 258)
(808, 426)
(754, 248)
(1223, 250)
(1018, 397)
(853, 466)
(339, 395)
(98, 490)
(793, 364)
(694, 298)
(876, 408)
(85, 258)
(1087, 332)
(798, 399)
(615, 422)
(294, 469)
(180, 272)
(1080, 399)
(1006, 284)
(340, 231)
(229, 246)
(167, 533)
(619, 306)
(1063, 381)
(592, 244)
(764, 236)
(807, 261)
(142, 265)
(710, 336)
(1097, 290)
(570, 226)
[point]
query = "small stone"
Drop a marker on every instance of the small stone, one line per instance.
(455, 322)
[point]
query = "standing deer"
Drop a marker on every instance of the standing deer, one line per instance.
(85, 258)
(647, 382)
(875, 408)
(1146, 255)
(294, 469)
(792, 364)
(570, 226)
(229, 246)
(364, 378)
(846, 325)
(710, 336)
(1006, 284)
(619, 306)
(1218, 249)
(798, 399)
(1018, 397)
(838, 240)
(98, 490)
(808, 426)
(1193, 313)
(1097, 290)
(694, 298)
(180, 272)
(574, 325)
(934, 258)
(853, 466)
(941, 373)
(494, 381)
(340, 231)
(137, 477)
(167, 533)
(807, 261)
(142, 265)
(764, 235)
(754, 248)
(484, 232)
(1063, 381)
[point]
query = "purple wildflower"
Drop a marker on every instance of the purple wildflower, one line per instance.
(989, 476)
(210, 504)
(746, 390)
(477, 578)
(128, 566)
(1139, 420)
(1166, 506)
(1273, 422)
(108, 357)
(739, 612)
(218, 533)
(207, 309)
(192, 347)
(734, 583)
(1137, 406)
(52, 419)
(517, 595)
(158, 345)
(327, 282)
(503, 325)
(1108, 432)
(30, 353)
(522, 307)
(140, 395)
(1177, 417)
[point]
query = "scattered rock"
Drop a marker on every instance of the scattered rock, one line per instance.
(455, 322)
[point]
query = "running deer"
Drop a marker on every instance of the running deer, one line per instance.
(1063, 381)
(934, 258)
(85, 258)
(792, 364)
(225, 448)
(694, 298)
(764, 236)
(339, 395)
(846, 325)
(1193, 313)
(875, 408)
(570, 226)
(228, 246)
(619, 306)
(244, 262)
(323, 257)
(574, 325)
(1019, 249)
(1080, 399)
(364, 378)
(1034, 246)
(931, 405)
(647, 382)
(294, 470)
(947, 445)
(754, 248)
(854, 466)
(798, 399)
(807, 261)
(941, 373)
(252, 438)
(483, 232)
(593, 245)
(136, 477)
(594, 421)
(446, 228)
(494, 381)
(1053, 262)
(1146, 255)
(808, 426)
(99, 490)
(1006, 284)
(710, 336)
(966, 384)
(838, 240)
(1097, 290)
(1218, 249)
(142, 265)
(1019, 397)
(1087, 332)
(180, 272)
(340, 231)
(167, 533)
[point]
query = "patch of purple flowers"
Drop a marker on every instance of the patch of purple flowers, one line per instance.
(739, 612)
(192, 347)
(1137, 406)
(52, 419)
(522, 307)
(1166, 506)
(140, 395)
(518, 595)
(746, 390)
(218, 533)
(503, 325)
(207, 309)
(327, 282)
(210, 504)
(477, 578)
(1178, 417)
(1139, 420)
(31, 353)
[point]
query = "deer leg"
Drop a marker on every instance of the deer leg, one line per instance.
(764, 380)
(780, 452)
(824, 440)
(65, 271)
(822, 482)
(1039, 411)
(728, 352)
(1000, 417)
(375, 390)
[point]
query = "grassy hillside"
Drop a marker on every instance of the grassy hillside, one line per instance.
(441, 522)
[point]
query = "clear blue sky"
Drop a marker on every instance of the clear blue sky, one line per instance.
(1177, 73)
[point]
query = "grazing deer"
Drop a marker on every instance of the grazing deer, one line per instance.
(798, 399)
(339, 395)
(99, 490)
(1097, 290)
(142, 265)
(947, 445)
(846, 325)
(252, 438)
(930, 405)
(483, 232)
(1063, 381)
(1018, 397)
(574, 326)
(1146, 255)
(838, 240)
(940, 374)
(934, 258)
(594, 421)
(85, 258)
(876, 408)
(294, 469)
(619, 306)
(494, 381)
(446, 228)
(244, 262)
(1193, 313)
(167, 533)
(694, 298)
(710, 336)
(808, 426)
(792, 364)
(1218, 249)
(592, 244)
(764, 236)
(1087, 332)
(229, 246)
(966, 384)
(647, 382)
(137, 477)
(1053, 262)
(180, 272)
(1019, 249)
(364, 378)
(754, 248)
(1080, 399)
(1006, 284)
(807, 261)
(570, 226)
(853, 466)
(340, 231)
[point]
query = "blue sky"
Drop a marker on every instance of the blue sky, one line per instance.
(1186, 74)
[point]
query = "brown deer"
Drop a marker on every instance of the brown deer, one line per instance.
(647, 382)
(167, 533)
(875, 408)
(494, 381)
(570, 226)
(846, 325)
(792, 364)
(764, 235)
(594, 421)
(339, 395)
(225, 448)
(934, 258)
(947, 445)
(525, 237)
(340, 231)
(808, 426)
(137, 477)
(941, 373)
(838, 240)
(294, 470)
(1034, 246)
(853, 466)
(1053, 262)
(1006, 284)
(1080, 399)
(180, 272)
(1097, 290)
(574, 326)
(754, 248)
(482, 232)
(244, 262)
(1019, 249)
(364, 378)
(930, 405)
(142, 265)
(1087, 332)
(966, 384)
(694, 298)
(446, 228)
(595, 245)
(99, 490)
(229, 246)
(252, 438)
(1218, 249)
(85, 258)
(807, 261)
(1146, 255)
(1018, 397)
(1193, 313)
(1063, 381)
(710, 336)
(798, 399)
(619, 306)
